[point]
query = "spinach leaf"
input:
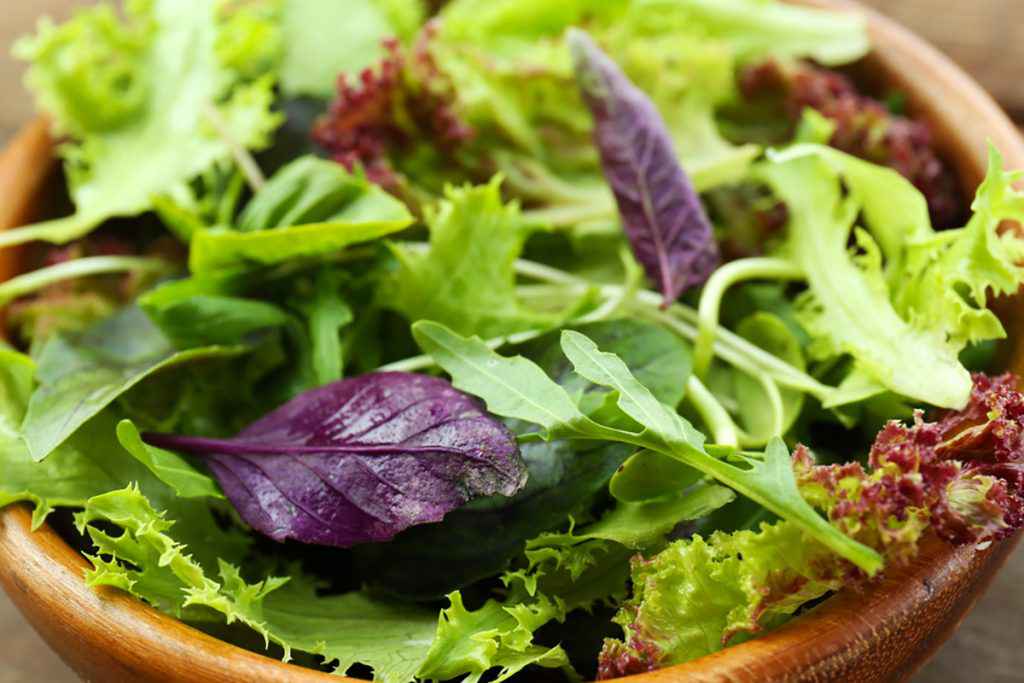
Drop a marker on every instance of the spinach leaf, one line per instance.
(150, 101)
(643, 525)
(79, 375)
(90, 463)
(309, 208)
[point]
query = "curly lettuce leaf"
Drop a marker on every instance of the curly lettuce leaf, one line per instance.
(466, 279)
(848, 307)
(474, 642)
(908, 299)
(400, 642)
(147, 559)
(696, 596)
(166, 109)
(948, 277)
(959, 476)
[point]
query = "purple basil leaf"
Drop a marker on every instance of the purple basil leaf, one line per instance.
(667, 227)
(360, 460)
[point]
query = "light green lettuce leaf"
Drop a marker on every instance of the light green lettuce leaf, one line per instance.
(147, 560)
(907, 299)
(697, 596)
(473, 642)
(159, 106)
(847, 309)
(324, 38)
(948, 276)
(757, 29)
(466, 279)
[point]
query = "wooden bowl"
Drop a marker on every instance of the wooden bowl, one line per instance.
(883, 632)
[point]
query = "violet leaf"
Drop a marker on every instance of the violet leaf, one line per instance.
(661, 213)
(359, 460)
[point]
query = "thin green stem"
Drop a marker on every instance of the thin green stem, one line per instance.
(93, 265)
(682, 319)
(716, 418)
(758, 268)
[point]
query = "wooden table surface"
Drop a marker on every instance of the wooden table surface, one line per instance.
(982, 35)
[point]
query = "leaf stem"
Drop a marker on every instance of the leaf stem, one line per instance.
(716, 418)
(683, 320)
(28, 283)
(246, 164)
(758, 268)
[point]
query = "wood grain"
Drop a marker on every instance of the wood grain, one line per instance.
(982, 36)
(879, 634)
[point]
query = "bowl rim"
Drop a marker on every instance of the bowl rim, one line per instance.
(106, 634)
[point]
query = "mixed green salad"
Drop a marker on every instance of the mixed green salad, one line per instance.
(462, 340)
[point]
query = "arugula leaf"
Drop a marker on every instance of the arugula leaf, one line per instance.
(466, 279)
(324, 39)
(309, 208)
(151, 125)
(516, 388)
(80, 375)
(147, 560)
(512, 387)
(480, 539)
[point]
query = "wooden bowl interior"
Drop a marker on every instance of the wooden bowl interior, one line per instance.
(881, 633)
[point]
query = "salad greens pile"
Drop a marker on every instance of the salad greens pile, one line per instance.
(348, 343)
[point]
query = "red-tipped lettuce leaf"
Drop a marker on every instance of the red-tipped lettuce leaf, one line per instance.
(662, 215)
(360, 460)
(962, 475)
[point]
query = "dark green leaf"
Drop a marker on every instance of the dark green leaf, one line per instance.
(80, 375)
